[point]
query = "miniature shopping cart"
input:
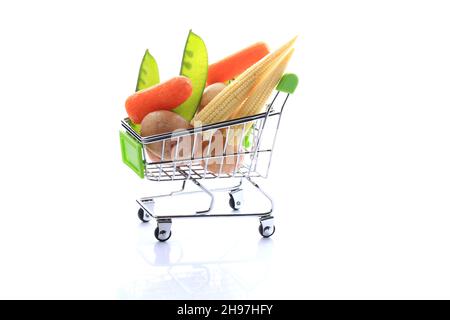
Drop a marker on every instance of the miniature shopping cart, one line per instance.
(246, 154)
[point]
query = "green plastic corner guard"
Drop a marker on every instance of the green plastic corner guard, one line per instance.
(132, 153)
(288, 83)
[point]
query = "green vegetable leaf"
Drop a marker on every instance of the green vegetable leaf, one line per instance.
(148, 72)
(195, 67)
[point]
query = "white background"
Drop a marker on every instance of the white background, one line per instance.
(360, 175)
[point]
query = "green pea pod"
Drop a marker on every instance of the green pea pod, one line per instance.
(148, 77)
(148, 72)
(195, 67)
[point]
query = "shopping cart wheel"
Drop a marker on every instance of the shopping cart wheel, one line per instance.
(162, 235)
(162, 231)
(267, 231)
(266, 227)
(235, 199)
(143, 216)
(232, 204)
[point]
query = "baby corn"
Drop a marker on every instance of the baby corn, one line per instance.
(229, 99)
(263, 89)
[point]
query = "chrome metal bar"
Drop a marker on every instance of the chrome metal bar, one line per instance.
(253, 214)
(167, 194)
(208, 154)
(162, 158)
(210, 176)
(264, 194)
(211, 203)
(241, 139)
(175, 157)
(192, 155)
(198, 184)
(275, 135)
(269, 108)
(165, 136)
(254, 150)
(218, 125)
(142, 202)
(144, 156)
(224, 150)
(179, 191)
(197, 191)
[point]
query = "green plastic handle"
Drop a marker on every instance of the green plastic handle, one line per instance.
(288, 83)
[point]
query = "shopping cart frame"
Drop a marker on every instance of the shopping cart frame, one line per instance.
(195, 168)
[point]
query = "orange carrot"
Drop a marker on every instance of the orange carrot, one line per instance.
(233, 65)
(163, 96)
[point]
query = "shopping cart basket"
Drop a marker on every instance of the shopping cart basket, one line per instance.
(245, 153)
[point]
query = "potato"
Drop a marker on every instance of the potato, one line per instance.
(162, 121)
(210, 92)
(217, 150)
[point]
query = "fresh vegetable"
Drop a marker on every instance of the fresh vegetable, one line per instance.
(233, 65)
(148, 76)
(195, 67)
(229, 99)
(255, 103)
(148, 72)
(163, 121)
(163, 96)
(210, 92)
(223, 158)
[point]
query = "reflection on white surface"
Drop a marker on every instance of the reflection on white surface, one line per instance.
(179, 270)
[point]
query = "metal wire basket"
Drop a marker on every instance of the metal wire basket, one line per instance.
(239, 148)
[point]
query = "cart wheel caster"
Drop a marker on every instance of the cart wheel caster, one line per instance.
(266, 233)
(161, 235)
(236, 199)
(162, 231)
(143, 216)
(266, 227)
(232, 204)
